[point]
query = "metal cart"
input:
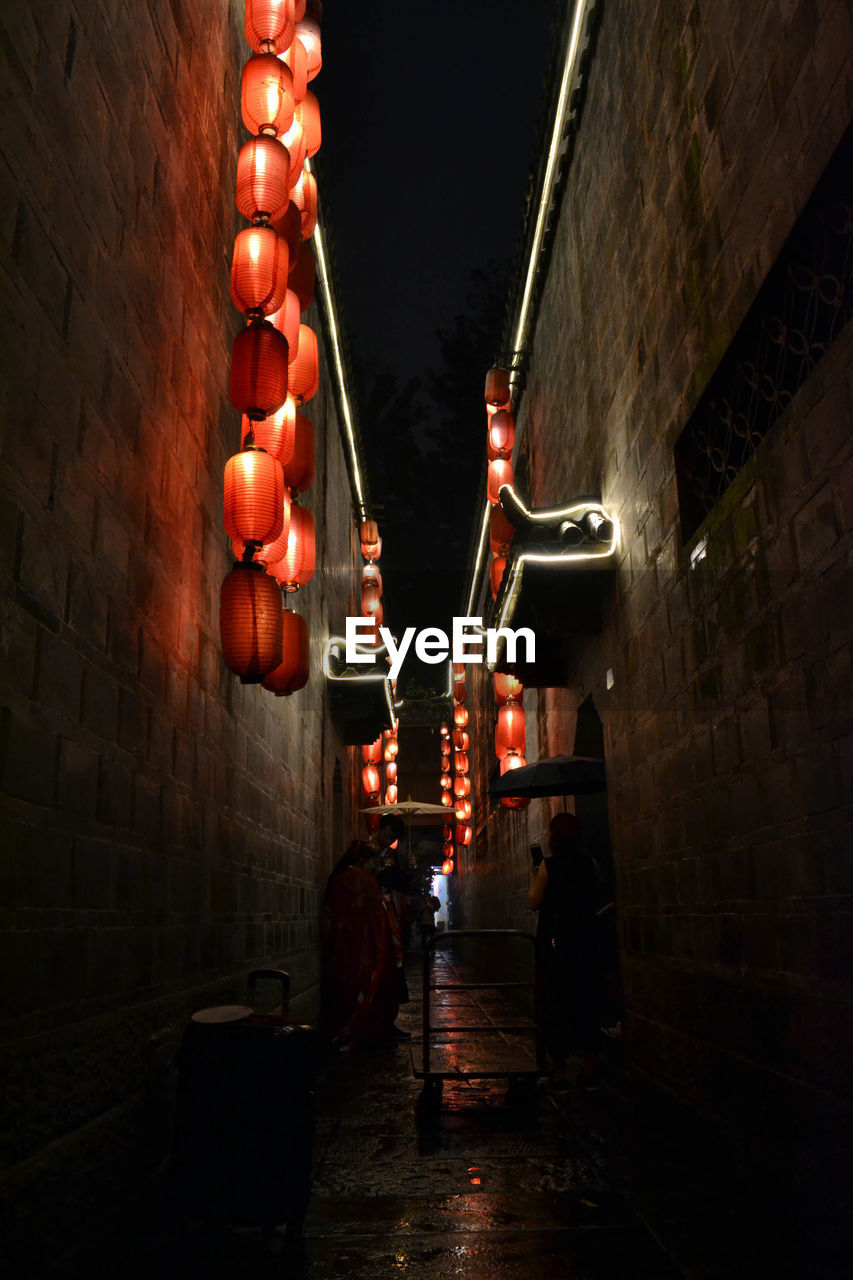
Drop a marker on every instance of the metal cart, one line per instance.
(466, 1060)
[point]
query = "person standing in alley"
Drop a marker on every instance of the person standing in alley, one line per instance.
(564, 891)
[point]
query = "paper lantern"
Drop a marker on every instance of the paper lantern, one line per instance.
(368, 532)
(444, 747)
(446, 782)
(250, 622)
(263, 180)
(447, 867)
(275, 549)
(391, 794)
(308, 114)
(299, 470)
(302, 275)
(294, 141)
(371, 577)
(497, 386)
(259, 271)
(392, 748)
(461, 787)
(371, 752)
(512, 760)
(463, 809)
(496, 573)
(447, 831)
(296, 568)
(457, 670)
(461, 741)
(286, 320)
(460, 717)
(507, 688)
(377, 615)
(500, 531)
(445, 764)
(288, 225)
(458, 693)
(266, 95)
(391, 771)
(254, 496)
(293, 672)
(510, 730)
(370, 779)
(371, 600)
(515, 802)
(258, 383)
(304, 377)
(275, 433)
(500, 473)
(463, 833)
(460, 761)
(304, 196)
(447, 799)
(501, 434)
(269, 25)
(308, 31)
(444, 729)
(296, 58)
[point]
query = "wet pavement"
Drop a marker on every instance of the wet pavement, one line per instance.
(489, 1185)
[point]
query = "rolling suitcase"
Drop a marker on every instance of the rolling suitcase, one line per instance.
(245, 1116)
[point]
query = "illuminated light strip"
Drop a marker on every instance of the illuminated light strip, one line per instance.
(544, 202)
(339, 365)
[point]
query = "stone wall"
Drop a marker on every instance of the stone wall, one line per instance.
(163, 829)
(727, 722)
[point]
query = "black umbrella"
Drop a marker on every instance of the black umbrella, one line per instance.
(556, 776)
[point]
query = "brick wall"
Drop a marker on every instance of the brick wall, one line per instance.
(162, 828)
(727, 727)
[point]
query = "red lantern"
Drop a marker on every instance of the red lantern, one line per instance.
(447, 831)
(259, 271)
(295, 666)
(461, 787)
(377, 614)
(371, 600)
(507, 688)
(289, 226)
(391, 794)
(458, 693)
(258, 384)
(496, 573)
(371, 752)
(274, 433)
(296, 58)
(512, 760)
(263, 180)
(461, 741)
(447, 867)
(266, 95)
(368, 532)
(304, 196)
(300, 468)
(447, 799)
(448, 848)
(305, 369)
(371, 577)
(370, 779)
(296, 568)
(515, 802)
(445, 782)
(269, 24)
(460, 717)
(463, 809)
(392, 748)
(500, 473)
(500, 531)
(458, 671)
(372, 822)
(460, 761)
(444, 747)
(497, 386)
(250, 622)
(501, 434)
(308, 31)
(286, 320)
(510, 730)
(294, 140)
(254, 496)
(391, 771)
(308, 113)
(302, 275)
(463, 834)
(445, 764)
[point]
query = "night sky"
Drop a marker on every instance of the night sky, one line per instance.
(430, 120)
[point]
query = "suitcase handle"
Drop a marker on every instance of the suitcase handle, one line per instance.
(271, 975)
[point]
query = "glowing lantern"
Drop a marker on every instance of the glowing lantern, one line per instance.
(259, 271)
(286, 320)
(371, 752)
(391, 771)
(377, 615)
(263, 180)
(463, 833)
(250, 622)
(296, 58)
(371, 600)
(510, 730)
(445, 764)
(460, 761)
(269, 24)
(295, 667)
(445, 782)
(305, 369)
(461, 787)
(507, 688)
(371, 577)
(447, 799)
(448, 848)
(300, 467)
(294, 141)
(444, 729)
(304, 196)
(460, 717)
(258, 384)
(458, 693)
(254, 496)
(447, 831)
(497, 386)
(308, 31)
(515, 802)
(369, 537)
(266, 95)
(512, 760)
(500, 531)
(447, 867)
(274, 548)
(274, 433)
(302, 274)
(496, 573)
(501, 435)
(370, 780)
(463, 810)
(458, 672)
(288, 225)
(392, 748)
(308, 113)
(461, 741)
(296, 568)
(500, 473)
(391, 794)
(444, 747)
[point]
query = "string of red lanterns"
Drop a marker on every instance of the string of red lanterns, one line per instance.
(462, 806)
(274, 359)
(500, 440)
